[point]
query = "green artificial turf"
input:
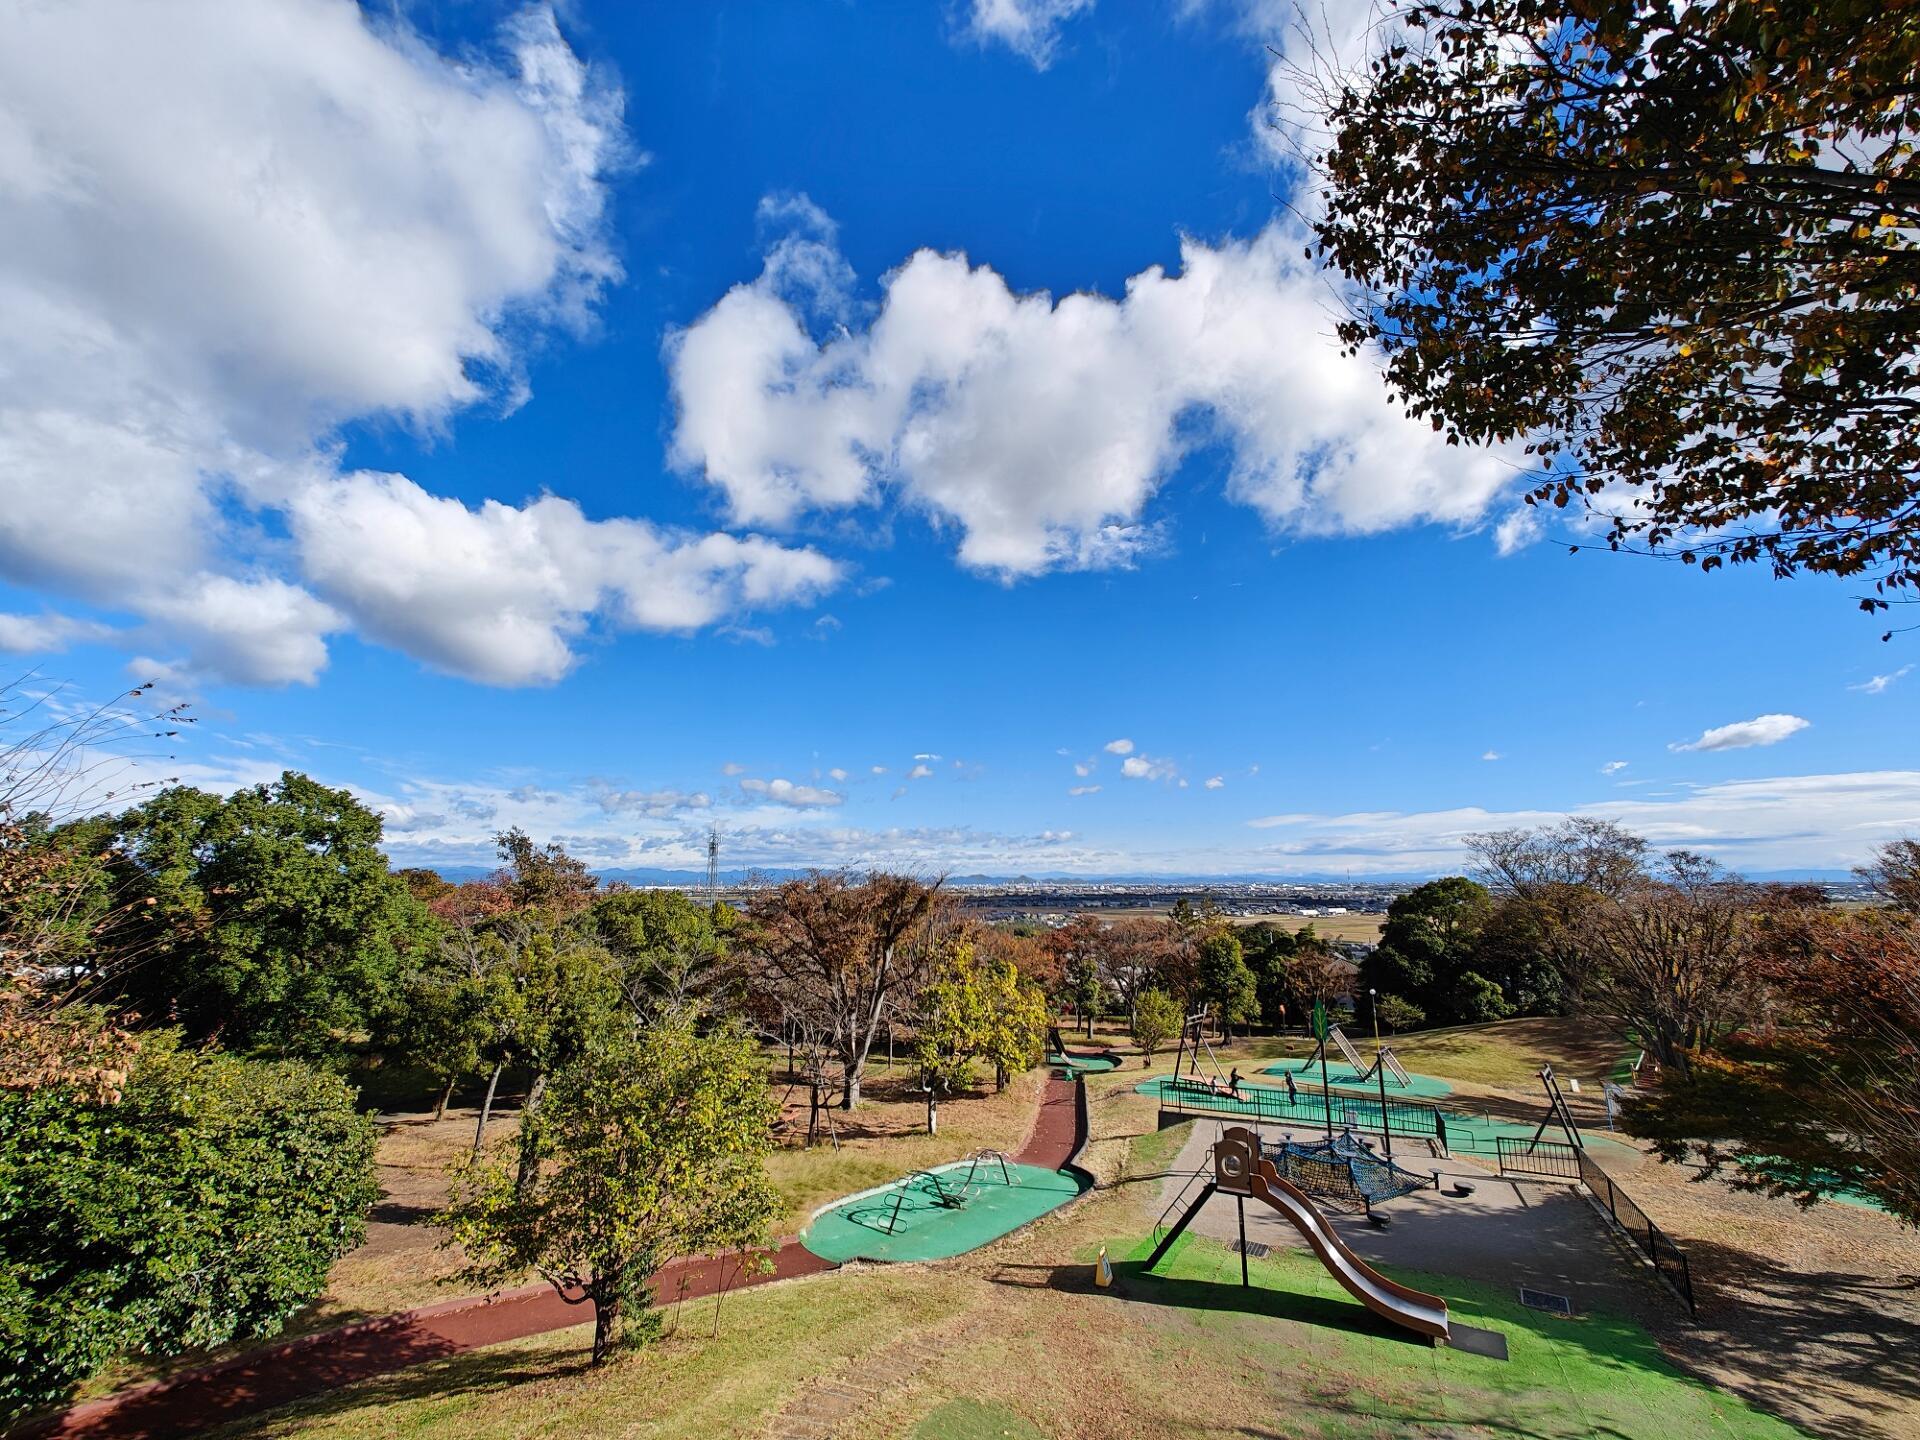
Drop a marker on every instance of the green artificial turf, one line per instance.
(1084, 1064)
(906, 1221)
(1340, 1074)
(1346, 1372)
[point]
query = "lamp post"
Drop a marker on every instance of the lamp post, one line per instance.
(1380, 1070)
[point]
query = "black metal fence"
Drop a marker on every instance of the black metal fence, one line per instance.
(1668, 1258)
(1310, 1109)
(1553, 1159)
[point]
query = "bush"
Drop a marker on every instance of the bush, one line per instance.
(206, 1204)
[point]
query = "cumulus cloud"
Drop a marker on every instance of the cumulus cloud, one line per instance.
(232, 229)
(47, 632)
(1491, 755)
(1878, 683)
(1041, 430)
(786, 792)
(1084, 790)
(919, 772)
(836, 774)
(1029, 28)
(499, 593)
(1744, 734)
(1119, 747)
(653, 803)
(1216, 782)
(1613, 767)
(1145, 767)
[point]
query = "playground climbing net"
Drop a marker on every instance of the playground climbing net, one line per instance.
(1344, 1171)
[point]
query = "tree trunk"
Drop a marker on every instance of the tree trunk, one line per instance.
(486, 1109)
(440, 1110)
(850, 1096)
(606, 1320)
(529, 1160)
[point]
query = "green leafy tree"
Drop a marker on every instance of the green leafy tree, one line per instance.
(650, 1145)
(279, 927)
(1226, 982)
(1156, 1020)
(1016, 1019)
(1672, 248)
(1082, 986)
(203, 1203)
(1268, 949)
(672, 951)
(1397, 1014)
(1427, 952)
(952, 1021)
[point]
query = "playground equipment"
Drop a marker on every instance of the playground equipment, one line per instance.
(1193, 1039)
(1385, 1060)
(1345, 1171)
(1242, 1171)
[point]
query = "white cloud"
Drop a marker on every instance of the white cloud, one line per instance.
(1145, 767)
(1744, 734)
(879, 769)
(1029, 28)
(1795, 821)
(652, 803)
(785, 792)
(1518, 529)
(1216, 782)
(926, 755)
(499, 593)
(1491, 755)
(919, 772)
(836, 774)
(733, 767)
(1613, 767)
(1879, 683)
(1084, 790)
(47, 632)
(1083, 768)
(1119, 747)
(233, 228)
(1042, 430)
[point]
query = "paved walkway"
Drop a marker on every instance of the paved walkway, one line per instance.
(276, 1374)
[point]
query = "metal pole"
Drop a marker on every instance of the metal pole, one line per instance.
(1241, 1201)
(1326, 1090)
(1380, 1072)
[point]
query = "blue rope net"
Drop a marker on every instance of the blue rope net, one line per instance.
(1344, 1170)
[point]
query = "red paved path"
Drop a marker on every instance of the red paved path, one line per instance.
(262, 1379)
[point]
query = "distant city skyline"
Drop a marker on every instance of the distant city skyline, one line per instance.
(891, 435)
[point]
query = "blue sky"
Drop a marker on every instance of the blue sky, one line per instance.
(891, 433)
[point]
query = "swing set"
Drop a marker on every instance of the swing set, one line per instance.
(1385, 1060)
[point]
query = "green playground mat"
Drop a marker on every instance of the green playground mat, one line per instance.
(907, 1221)
(1343, 1076)
(1083, 1064)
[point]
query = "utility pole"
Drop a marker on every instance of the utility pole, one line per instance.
(1380, 1071)
(713, 867)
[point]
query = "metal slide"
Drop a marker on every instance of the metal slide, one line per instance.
(1239, 1168)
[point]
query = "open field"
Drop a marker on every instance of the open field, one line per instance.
(1331, 927)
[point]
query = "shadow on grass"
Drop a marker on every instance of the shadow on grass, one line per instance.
(475, 1372)
(1798, 1334)
(1134, 1282)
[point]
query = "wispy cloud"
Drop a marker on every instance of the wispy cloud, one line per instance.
(1745, 734)
(1879, 683)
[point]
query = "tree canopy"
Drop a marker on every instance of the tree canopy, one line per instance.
(1671, 250)
(204, 1202)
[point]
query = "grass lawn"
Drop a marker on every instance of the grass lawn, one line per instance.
(1014, 1341)
(1506, 1054)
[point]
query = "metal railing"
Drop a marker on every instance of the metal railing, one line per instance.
(1554, 1159)
(1313, 1109)
(1653, 1242)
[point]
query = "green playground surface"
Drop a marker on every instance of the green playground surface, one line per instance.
(1467, 1133)
(1083, 1064)
(1339, 1073)
(1349, 1374)
(908, 1219)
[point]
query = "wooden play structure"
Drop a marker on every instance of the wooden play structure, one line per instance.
(1242, 1171)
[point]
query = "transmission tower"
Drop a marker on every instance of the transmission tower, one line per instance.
(713, 866)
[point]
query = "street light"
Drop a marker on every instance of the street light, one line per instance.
(1380, 1070)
